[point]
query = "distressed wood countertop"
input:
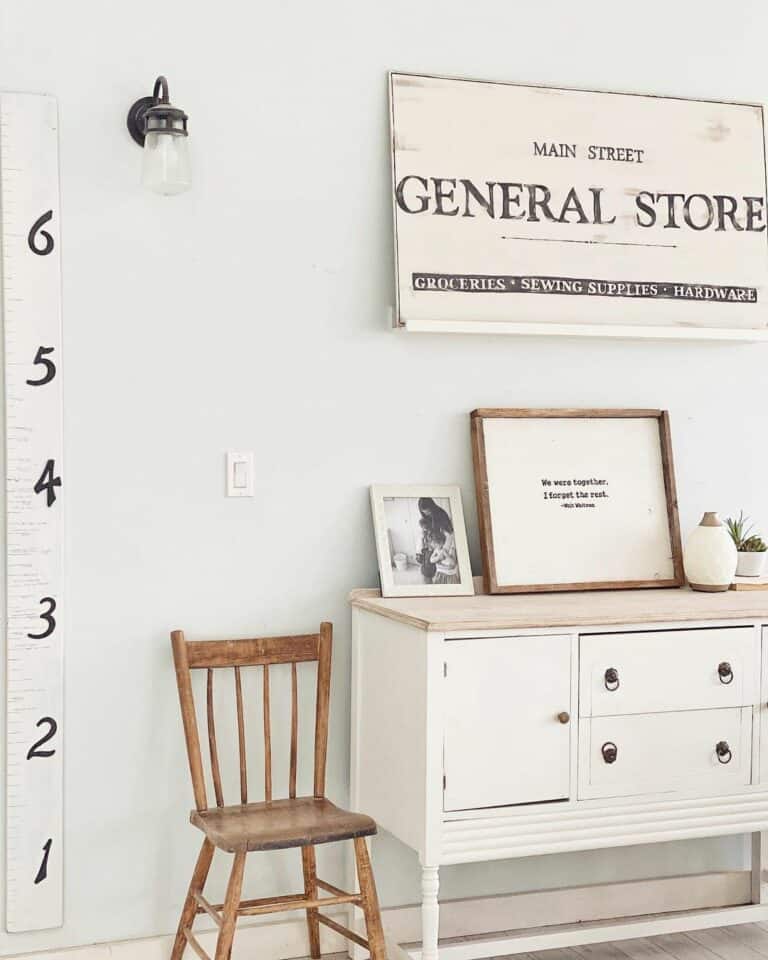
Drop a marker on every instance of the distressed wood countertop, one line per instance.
(577, 609)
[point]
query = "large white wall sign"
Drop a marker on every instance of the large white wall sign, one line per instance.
(31, 314)
(541, 210)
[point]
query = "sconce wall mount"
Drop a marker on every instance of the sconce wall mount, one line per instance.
(161, 129)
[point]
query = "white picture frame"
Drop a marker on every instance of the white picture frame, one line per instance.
(418, 555)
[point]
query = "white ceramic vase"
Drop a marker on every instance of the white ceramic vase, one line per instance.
(710, 556)
(750, 564)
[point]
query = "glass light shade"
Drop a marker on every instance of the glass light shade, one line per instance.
(165, 165)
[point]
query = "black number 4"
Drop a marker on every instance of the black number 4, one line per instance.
(48, 480)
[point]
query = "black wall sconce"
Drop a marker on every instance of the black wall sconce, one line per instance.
(161, 129)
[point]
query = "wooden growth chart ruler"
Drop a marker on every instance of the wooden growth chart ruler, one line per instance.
(30, 303)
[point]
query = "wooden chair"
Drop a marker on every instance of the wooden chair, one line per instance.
(272, 824)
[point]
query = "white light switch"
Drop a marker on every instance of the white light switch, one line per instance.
(239, 474)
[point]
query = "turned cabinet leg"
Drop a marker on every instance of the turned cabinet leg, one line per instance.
(757, 868)
(430, 912)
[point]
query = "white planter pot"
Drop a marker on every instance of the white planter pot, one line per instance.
(710, 556)
(750, 563)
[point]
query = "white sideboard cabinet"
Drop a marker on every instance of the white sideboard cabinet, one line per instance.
(487, 728)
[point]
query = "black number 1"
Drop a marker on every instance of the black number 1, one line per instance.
(47, 482)
(42, 872)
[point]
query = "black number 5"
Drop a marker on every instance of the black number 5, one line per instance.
(49, 619)
(34, 750)
(36, 227)
(50, 367)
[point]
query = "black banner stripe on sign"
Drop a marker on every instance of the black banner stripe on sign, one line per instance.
(580, 287)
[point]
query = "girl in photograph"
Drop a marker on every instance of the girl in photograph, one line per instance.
(444, 557)
(437, 517)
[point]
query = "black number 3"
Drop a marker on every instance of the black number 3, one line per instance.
(49, 619)
(50, 367)
(34, 750)
(47, 482)
(36, 227)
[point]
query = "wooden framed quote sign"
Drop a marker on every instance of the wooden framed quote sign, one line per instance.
(526, 209)
(576, 500)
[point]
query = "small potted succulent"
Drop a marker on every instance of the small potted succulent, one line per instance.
(751, 548)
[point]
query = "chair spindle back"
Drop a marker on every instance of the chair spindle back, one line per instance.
(264, 652)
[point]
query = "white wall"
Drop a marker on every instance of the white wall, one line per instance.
(250, 314)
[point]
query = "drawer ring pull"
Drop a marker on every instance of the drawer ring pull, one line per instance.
(725, 672)
(611, 679)
(723, 751)
(610, 751)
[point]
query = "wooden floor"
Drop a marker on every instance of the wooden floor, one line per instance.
(748, 941)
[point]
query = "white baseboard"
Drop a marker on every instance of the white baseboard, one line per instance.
(543, 908)
(287, 938)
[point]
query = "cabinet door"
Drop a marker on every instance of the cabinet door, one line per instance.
(504, 742)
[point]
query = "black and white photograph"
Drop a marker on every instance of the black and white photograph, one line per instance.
(421, 541)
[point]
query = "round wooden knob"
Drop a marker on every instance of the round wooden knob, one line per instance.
(564, 717)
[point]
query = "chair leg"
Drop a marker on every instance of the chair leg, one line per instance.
(310, 890)
(229, 910)
(189, 910)
(370, 901)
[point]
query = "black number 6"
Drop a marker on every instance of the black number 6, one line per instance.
(47, 246)
(49, 619)
(34, 750)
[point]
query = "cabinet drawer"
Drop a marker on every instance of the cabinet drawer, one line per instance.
(621, 673)
(665, 752)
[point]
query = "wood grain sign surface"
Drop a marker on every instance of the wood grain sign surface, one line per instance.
(541, 206)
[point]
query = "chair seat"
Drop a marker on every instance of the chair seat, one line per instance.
(277, 824)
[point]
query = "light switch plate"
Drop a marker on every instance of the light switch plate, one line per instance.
(239, 474)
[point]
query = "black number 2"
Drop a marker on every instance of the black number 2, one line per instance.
(50, 367)
(49, 618)
(48, 480)
(34, 750)
(42, 872)
(36, 227)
